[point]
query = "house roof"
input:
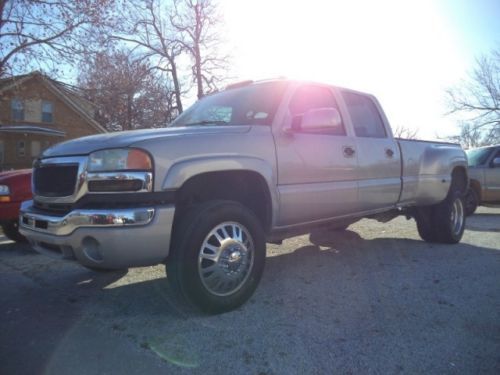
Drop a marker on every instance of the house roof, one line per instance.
(70, 95)
(31, 129)
(11, 82)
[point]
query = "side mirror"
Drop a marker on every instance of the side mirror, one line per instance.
(319, 119)
(496, 162)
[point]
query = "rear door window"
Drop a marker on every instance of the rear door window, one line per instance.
(365, 116)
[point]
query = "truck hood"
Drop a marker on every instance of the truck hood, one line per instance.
(86, 145)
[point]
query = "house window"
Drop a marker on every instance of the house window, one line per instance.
(47, 111)
(17, 107)
(21, 149)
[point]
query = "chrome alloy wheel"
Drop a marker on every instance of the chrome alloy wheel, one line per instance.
(226, 258)
(457, 216)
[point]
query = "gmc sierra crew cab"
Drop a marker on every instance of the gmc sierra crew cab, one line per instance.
(257, 162)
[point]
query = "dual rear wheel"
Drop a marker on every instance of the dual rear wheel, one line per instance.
(443, 222)
(471, 201)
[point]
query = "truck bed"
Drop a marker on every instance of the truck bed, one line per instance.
(424, 173)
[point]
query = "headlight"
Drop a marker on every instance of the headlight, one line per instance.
(4, 193)
(4, 190)
(119, 159)
(120, 170)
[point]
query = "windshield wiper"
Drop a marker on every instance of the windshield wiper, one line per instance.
(207, 122)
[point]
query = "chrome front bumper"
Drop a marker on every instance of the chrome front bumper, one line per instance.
(65, 225)
(101, 238)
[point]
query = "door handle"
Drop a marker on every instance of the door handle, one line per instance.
(348, 151)
(389, 152)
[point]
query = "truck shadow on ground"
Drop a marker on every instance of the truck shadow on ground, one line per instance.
(43, 300)
(338, 279)
(330, 257)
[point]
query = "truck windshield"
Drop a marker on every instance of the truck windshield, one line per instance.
(478, 156)
(248, 105)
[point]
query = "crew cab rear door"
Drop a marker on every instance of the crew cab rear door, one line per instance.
(316, 169)
(379, 161)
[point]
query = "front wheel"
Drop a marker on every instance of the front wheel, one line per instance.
(217, 256)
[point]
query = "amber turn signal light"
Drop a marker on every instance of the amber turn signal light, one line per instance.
(138, 159)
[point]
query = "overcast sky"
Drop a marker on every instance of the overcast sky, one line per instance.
(405, 52)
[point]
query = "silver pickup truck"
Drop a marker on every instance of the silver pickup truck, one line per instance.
(258, 162)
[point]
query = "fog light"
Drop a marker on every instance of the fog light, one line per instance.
(91, 249)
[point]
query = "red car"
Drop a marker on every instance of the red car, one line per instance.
(15, 187)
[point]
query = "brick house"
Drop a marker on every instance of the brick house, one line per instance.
(37, 112)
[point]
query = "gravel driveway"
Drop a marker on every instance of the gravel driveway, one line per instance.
(372, 299)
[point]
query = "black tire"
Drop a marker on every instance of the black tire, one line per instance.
(449, 218)
(11, 231)
(188, 269)
(443, 222)
(471, 201)
(425, 224)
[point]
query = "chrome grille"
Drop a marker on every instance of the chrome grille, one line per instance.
(60, 182)
(55, 180)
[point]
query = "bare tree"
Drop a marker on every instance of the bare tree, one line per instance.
(478, 100)
(168, 34)
(197, 23)
(404, 132)
(470, 137)
(127, 92)
(35, 33)
(145, 26)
